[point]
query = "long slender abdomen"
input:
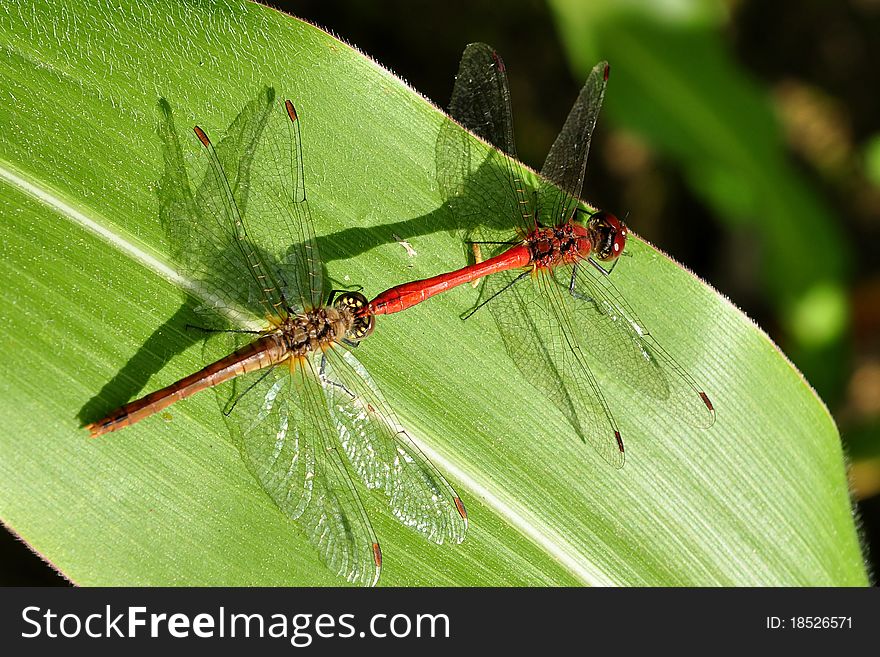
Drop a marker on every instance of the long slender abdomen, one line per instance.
(265, 352)
(408, 295)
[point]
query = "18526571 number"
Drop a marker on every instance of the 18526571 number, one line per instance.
(820, 622)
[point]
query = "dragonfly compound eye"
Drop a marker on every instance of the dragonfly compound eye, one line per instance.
(608, 235)
(361, 325)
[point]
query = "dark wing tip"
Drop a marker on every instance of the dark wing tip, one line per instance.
(291, 110)
(202, 137)
(620, 450)
(607, 71)
(461, 510)
(707, 401)
(710, 407)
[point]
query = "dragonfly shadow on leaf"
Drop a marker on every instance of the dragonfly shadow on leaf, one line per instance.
(206, 259)
(472, 201)
(206, 254)
(167, 341)
(293, 397)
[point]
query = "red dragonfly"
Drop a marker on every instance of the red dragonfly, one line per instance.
(547, 287)
(297, 398)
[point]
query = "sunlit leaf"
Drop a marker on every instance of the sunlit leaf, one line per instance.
(92, 317)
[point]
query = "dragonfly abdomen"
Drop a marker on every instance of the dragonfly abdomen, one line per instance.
(267, 351)
(405, 296)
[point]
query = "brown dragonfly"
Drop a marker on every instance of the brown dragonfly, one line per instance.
(296, 399)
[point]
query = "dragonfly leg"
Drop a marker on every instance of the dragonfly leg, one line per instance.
(470, 312)
(230, 405)
(478, 258)
(322, 372)
(204, 329)
(602, 269)
(335, 291)
(478, 253)
(578, 295)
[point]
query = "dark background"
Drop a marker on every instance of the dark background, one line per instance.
(813, 64)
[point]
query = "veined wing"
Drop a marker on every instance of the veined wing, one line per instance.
(481, 97)
(284, 432)
(566, 163)
(384, 456)
(611, 331)
(538, 336)
(492, 194)
(278, 215)
(205, 228)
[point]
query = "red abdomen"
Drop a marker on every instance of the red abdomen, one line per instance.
(409, 294)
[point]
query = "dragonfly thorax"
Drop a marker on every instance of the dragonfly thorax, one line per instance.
(556, 245)
(315, 329)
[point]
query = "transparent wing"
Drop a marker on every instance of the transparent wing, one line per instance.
(488, 191)
(385, 457)
(537, 332)
(284, 432)
(611, 332)
(566, 163)
(481, 97)
(278, 215)
(205, 230)
(474, 183)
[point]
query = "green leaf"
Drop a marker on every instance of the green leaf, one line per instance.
(93, 316)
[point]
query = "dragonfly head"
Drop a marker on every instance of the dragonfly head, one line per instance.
(350, 303)
(607, 235)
